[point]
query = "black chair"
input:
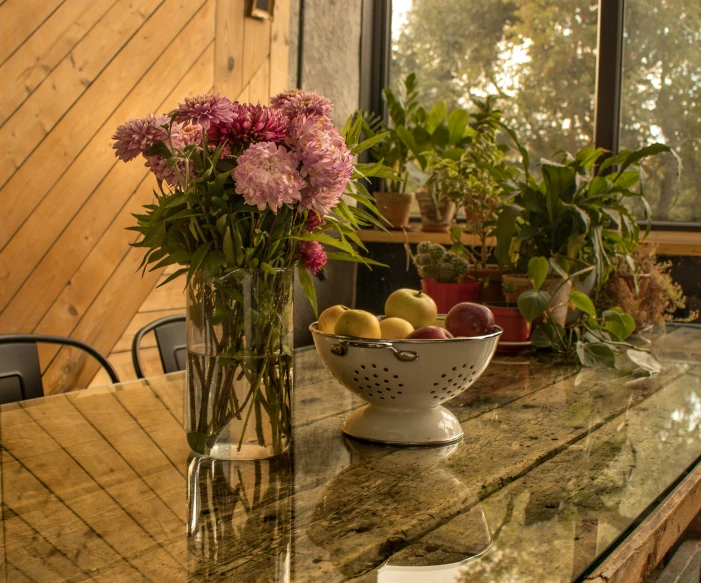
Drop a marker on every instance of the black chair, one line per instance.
(20, 372)
(171, 339)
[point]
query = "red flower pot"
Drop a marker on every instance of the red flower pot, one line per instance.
(510, 319)
(446, 295)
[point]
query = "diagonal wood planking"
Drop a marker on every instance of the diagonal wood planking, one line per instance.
(70, 72)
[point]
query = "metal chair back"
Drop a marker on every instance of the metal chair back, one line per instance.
(171, 339)
(20, 371)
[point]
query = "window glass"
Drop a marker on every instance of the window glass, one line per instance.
(661, 100)
(538, 55)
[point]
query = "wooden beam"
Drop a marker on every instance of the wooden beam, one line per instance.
(635, 559)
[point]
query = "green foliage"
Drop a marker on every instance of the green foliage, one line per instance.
(434, 262)
(577, 213)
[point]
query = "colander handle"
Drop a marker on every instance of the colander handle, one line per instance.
(341, 349)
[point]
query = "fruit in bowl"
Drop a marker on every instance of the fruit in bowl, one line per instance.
(395, 328)
(329, 317)
(467, 320)
(357, 323)
(411, 305)
(430, 333)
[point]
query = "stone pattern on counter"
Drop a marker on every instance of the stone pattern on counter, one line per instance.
(556, 463)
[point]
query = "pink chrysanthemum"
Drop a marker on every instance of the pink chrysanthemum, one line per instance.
(159, 166)
(250, 124)
(314, 220)
(138, 135)
(296, 102)
(267, 175)
(190, 134)
(326, 161)
(205, 110)
(312, 254)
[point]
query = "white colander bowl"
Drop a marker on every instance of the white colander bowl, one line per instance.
(405, 383)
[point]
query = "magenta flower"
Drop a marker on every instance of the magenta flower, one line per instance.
(312, 254)
(326, 161)
(267, 175)
(159, 166)
(205, 110)
(250, 124)
(138, 135)
(296, 102)
(189, 134)
(314, 220)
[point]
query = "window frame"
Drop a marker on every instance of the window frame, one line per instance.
(376, 55)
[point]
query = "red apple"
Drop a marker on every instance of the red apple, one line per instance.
(429, 333)
(468, 319)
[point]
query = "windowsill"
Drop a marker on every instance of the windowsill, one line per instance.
(668, 242)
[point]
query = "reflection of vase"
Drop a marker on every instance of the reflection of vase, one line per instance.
(239, 509)
(239, 366)
(388, 507)
(436, 215)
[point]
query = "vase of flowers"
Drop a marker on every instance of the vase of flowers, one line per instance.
(246, 194)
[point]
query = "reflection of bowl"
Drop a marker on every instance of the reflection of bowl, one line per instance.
(405, 382)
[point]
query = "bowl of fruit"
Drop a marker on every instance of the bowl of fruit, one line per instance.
(404, 366)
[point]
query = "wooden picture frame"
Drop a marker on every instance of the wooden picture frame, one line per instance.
(261, 9)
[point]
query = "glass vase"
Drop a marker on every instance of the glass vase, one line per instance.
(239, 364)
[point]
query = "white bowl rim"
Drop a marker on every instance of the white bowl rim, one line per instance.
(411, 341)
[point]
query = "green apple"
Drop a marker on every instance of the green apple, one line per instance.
(327, 318)
(357, 323)
(413, 306)
(395, 328)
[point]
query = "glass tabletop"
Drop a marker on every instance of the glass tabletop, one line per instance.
(557, 464)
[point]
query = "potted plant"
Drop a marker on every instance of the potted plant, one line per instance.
(576, 215)
(393, 202)
(444, 276)
(644, 288)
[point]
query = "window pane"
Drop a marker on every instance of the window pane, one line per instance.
(539, 55)
(661, 99)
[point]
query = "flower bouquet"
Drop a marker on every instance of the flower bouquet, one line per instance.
(246, 193)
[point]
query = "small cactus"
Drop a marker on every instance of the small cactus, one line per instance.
(434, 262)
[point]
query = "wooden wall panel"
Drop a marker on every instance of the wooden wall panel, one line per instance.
(70, 72)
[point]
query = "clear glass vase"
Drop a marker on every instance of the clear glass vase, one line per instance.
(239, 365)
(239, 509)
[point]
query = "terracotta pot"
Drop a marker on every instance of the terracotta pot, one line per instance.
(510, 319)
(446, 295)
(552, 285)
(395, 207)
(435, 217)
(643, 282)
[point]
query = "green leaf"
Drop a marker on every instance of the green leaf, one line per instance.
(506, 224)
(436, 116)
(267, 268)
(305, 279)
(533, 304)
(644, 360)
(173, 276)
(537, 271)
(158, 149)
(229, 252)
(369, 143)
(618, 323)
(354, 259)
(197, 259)
(596, 355)
(457, 120)
(583, 302)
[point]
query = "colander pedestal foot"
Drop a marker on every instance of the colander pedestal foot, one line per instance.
(403, 426)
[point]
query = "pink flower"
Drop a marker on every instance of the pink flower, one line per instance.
(314, 220)
(313, 255)
(326, 161)
(296, 102)
(267, 175)
(138, 135)
(205, 109)
(250, 124)
(159, 166)
(190, 134)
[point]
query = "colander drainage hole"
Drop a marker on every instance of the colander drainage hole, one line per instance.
(433, 392)
(443, 376)
(444, 389)
(388, 389)
(472, 366)
(370, 394)
(455, 368)
(395, 376)
(366, 378)
(385, 369)
(400, 385)
(356, 380)
(435, 397)
(377, 384)
(464, 366)
(386, 381)
(435, 384)
(399, 393)
(391, 397)
(362, 366)
(374, 376)
(356, 372)
(374, 366)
